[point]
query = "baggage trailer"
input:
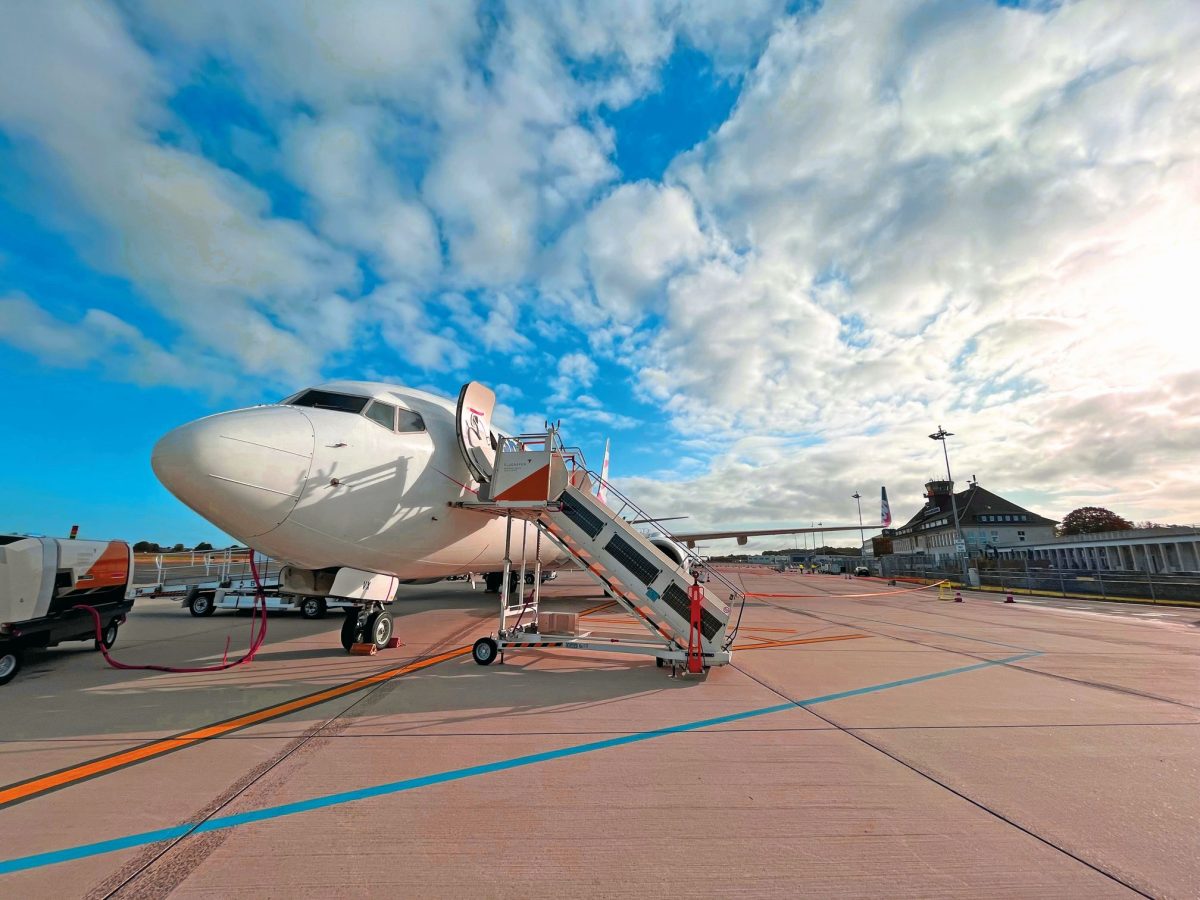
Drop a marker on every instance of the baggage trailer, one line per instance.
(42, 579)
(204, 600)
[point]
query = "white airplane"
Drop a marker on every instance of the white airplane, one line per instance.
(352, 485)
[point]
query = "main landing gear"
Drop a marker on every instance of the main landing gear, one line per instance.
(362, 625)
(493, 581)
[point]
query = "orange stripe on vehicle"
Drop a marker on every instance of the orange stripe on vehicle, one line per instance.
(42, 784)
(110, 567)
(532, 487)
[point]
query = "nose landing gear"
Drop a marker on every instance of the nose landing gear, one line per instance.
(362, 625)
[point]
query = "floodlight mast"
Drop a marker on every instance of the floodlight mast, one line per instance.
(940, 435)
(862, 541)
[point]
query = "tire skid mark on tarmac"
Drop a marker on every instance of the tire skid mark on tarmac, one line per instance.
(224, 823)
(139, 877)
(39, 785)
(1101, 685)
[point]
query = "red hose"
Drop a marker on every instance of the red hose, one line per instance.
(256, 641)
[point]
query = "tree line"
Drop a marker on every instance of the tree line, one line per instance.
(153, 547)
(1095, 519)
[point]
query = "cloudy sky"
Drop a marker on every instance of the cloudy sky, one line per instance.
(767, 248)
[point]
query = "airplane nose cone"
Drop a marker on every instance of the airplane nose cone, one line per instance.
(242, 470)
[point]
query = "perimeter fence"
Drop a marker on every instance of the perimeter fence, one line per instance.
(1018, 576)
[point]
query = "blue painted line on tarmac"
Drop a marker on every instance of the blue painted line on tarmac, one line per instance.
(81, 851)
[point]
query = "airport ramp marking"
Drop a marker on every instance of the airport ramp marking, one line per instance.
(82, 851)
(21, 791)
(767, 645)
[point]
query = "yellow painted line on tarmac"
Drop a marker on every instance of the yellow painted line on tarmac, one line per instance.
(42, 784)
(768, 645)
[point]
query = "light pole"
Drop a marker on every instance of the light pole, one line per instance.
(940, 435)
(862, 541)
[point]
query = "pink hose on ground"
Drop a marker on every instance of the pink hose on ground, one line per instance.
(256, 641)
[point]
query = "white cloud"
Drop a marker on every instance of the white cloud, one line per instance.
(971, 214)
(338, 161)
(100, 339)
(513, 157)
(328, 54)
(916, 212)
(199, 241)
(412, 334)
(576, 372)
(623, 251)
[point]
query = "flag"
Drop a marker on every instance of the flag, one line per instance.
(602, 492)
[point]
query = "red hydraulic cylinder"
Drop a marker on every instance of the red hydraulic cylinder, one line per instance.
(695, 657)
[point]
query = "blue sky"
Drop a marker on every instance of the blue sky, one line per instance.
(623, 219)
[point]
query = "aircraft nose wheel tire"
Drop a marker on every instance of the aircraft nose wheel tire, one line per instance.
(109, 637)
(378, 629)
(10, 664)
(350, 630)
(485, 650)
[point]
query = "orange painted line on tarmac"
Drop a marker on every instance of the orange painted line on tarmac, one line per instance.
(767, 645)
(775, 630)
(41, 784)
(598, 608)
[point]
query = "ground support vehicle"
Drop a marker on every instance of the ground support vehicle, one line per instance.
(42, 580)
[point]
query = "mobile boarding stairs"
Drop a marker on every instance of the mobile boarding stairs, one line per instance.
(537, 480)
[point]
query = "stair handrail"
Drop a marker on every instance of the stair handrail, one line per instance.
(694, 559)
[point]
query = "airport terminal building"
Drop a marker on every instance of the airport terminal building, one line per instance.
(987, 521)
(1154, 550)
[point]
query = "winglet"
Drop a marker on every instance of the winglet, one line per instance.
(602, 492)
(885, 511)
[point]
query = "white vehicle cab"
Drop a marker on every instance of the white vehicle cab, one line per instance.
(42, 580)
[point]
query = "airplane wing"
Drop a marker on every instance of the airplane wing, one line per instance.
(744, 534)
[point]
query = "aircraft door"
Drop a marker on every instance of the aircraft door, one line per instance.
(473, 423)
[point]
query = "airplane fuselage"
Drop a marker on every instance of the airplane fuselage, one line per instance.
(320, 481)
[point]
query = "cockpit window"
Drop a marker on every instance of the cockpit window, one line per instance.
(330, 400)
(383, 413)
(407, 420)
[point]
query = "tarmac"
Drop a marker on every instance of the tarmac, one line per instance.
(867, 740)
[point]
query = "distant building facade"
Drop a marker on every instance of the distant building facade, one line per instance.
(987, 521)
(1155, 550)
(880, 544)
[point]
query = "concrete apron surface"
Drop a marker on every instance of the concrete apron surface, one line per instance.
(868, 741)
